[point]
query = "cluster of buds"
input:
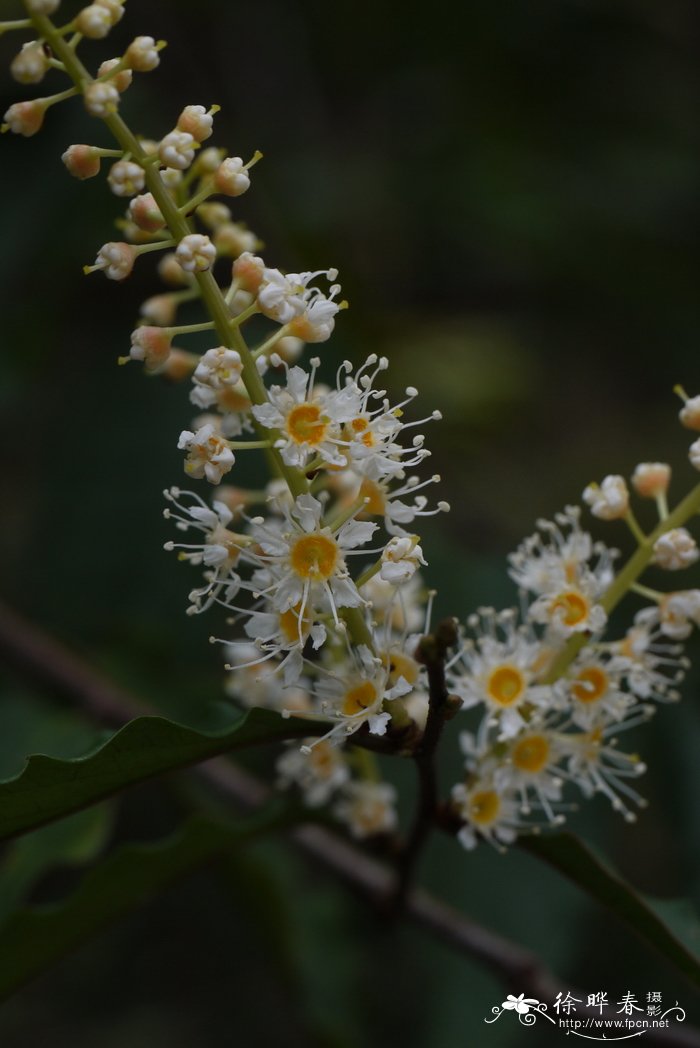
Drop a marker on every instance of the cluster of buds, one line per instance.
(320, 568)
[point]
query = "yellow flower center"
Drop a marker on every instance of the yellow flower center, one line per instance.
(290, 626)
(573, 606)
(531, 753)
(323, 758)
(359, 698)
(314, 557)
(591, 684)
(306, 425)
(484, 807)
(505, 685)
(401, 666)
(359, 430)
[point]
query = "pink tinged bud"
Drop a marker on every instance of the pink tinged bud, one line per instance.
(31, 64)
(248, 271)
(195, 253)
(93, 21)
(142, 54)
(145, 213)
(121, 80)
(690, 413)
(116, 259)
(25, 118)
(176, 150)
(231, 178)
(651, 479)
(179, 365)
(126, 178)
(82, 161)
(171, 272)
(150, 344)
(101, 99)
(159, 309)
(195, 121)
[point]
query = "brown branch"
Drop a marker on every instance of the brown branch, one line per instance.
(51, 664)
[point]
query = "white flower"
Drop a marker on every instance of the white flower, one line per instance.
(305, 561)
(126, 178)
(31, 64)
(195, 253)
(530, 768)
(498, 669)
(279, 297)
(597, 766)
(121, 78)
(319, 772)
(231, 177)
(675, 549)
(317, 322)
(176, 150)
(486, 812)
(651, 479)
(400, 560)
(610, 500)
(679, 612)
(101, 98)
(142, 54)
(652, 665)
(309, 421)
(595, 691)
(208, 454)
(368, 808)
(93, 21)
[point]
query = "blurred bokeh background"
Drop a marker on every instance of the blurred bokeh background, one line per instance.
(511, 194)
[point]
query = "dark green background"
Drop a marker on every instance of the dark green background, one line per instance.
(510, 192)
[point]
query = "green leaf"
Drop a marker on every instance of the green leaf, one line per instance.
(570, 856)
(72, 842)
(38, 936)
(48, 788)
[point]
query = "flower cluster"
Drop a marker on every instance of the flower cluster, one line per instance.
(319, 569)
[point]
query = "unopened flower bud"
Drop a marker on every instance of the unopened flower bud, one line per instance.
(233, 239)
(608, 501)
(150, 344)
(289, 348)
(248, 271)
(142, 54)
(41, 7)
(82, 161)
(114, 7)
(401, 559)
(171, 177)
(675, 549)
(31, 64)
(231, 177)
(116, 259)
(179, 365)
(171, 272)
(94, 21)
(694, 454)
(159, 309)
(121, 80)
(208, 160)
(177, 150)
(145, 213)
(25, 118)
(651, 479)
(126, 178)
(213, 213)
(690, 413)
(196, 121)
(101, 98)
(195, 253)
